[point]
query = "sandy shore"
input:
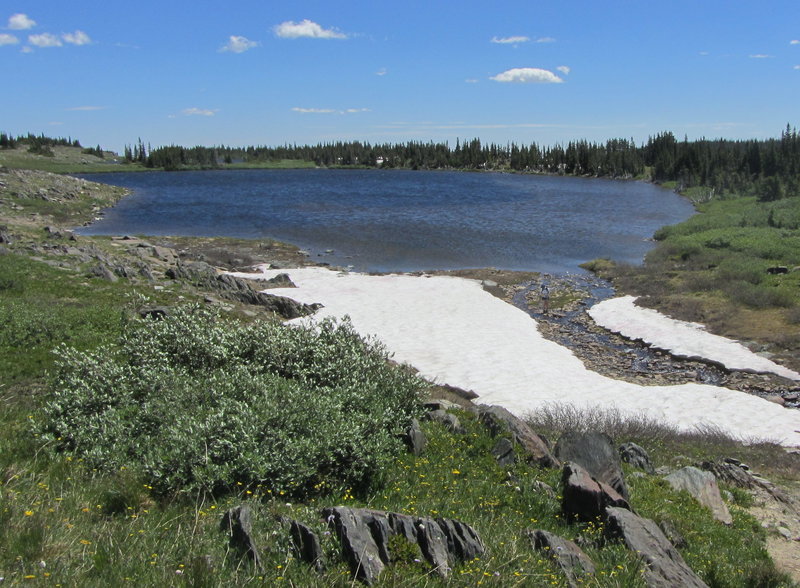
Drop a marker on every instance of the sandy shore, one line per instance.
(455, 333)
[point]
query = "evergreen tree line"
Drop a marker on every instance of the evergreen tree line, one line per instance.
(39, 144)
(769, 168)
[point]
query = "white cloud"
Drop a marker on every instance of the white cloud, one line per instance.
(237, 44)
(545, 40)
(796, 67)
(564, 69)
(6, 39)
(760, 56)
(381, 72)
(76, 38)
(329, 110)
(471, 80)
(794, 42)
(20, 22)
(305, 28)
(510, 40)
(198, 112)
(313, 110)
(527, 75)
(44, 40)
(86, 108)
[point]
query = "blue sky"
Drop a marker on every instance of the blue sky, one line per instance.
(268, 73)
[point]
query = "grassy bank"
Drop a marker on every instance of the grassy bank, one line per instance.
(732, 267)
(73, 160)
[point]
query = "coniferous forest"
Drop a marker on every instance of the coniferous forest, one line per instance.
(769, 168)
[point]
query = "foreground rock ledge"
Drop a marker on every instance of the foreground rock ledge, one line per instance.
(364, 535)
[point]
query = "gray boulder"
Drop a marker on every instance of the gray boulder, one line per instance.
(703, 487)
(566, 554)
(306, 545)
(500, 422)
(238, 524)
(503, 452)
(359, 548)
(414, 438)
(280, 281)
(203, 276)
(664, 566)
(585, 498)
(448, 419)
(636, 456)
(103, 272)
(594, 452)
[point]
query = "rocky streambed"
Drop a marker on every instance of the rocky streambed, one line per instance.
(568, 324)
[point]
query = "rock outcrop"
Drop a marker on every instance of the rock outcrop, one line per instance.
(364, 535)
(565, 553)
(237, 523)
(664, 566)
(586, 498)
(500, 422)
(703, 487)
(596, 454)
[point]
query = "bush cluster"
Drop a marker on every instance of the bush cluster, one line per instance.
(201, 404)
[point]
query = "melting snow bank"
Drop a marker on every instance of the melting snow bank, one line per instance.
(454, 332)
(680, 338)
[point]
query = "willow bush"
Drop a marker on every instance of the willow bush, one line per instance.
(195, 403)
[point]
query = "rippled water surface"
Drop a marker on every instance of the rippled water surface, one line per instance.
(391, 220)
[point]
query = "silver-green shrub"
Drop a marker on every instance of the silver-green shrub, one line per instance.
(198, 403)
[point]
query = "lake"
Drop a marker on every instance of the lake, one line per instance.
(398, 220)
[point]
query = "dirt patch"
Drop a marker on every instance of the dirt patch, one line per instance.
(781, 520)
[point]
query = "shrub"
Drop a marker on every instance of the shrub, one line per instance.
(197, 403)
(759, 296)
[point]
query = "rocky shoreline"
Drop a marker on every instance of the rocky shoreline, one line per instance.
(618, 357)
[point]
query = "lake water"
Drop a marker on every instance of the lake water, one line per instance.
(395, 220)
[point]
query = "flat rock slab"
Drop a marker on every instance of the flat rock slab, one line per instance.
(665, 567)
(703, 487)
